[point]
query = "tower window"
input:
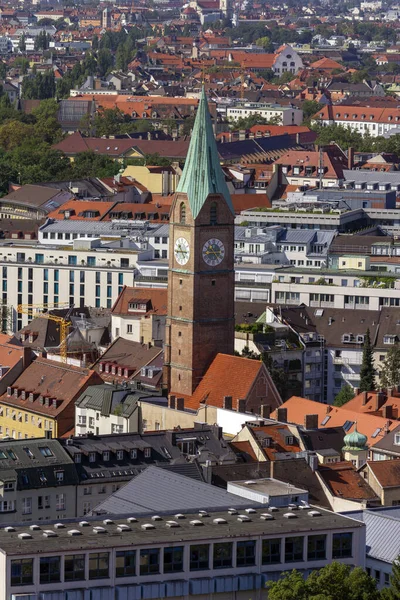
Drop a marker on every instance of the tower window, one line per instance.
(180, 308)
(213, 282)
(213, 213)
(180, 282)
(179, 333)
(182, 213)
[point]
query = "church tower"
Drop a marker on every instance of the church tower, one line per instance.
(201, 279)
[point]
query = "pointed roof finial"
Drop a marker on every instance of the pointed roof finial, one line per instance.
(202, 174)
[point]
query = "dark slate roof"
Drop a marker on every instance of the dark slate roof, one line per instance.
(178, 493)
(23, 458)
(323, 439)
(106, 398)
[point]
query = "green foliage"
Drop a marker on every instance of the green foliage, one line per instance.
(250, 327)
(393, 591)
(89, 164)
(38, 86)
(310, 107)
(367, 371)
(345, 394)
(250, 121)
(42, 40)
(265, 43)
(390, 373)
(378, 282)
(335, 581)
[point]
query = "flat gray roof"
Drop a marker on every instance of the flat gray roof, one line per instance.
(88, 539)
(268, 486)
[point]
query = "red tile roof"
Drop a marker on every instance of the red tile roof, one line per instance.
(298, 408)
(345, 482)
(386, 472)
(327, 63)
(156, 301)
(245, 449)
(79, 207)
(363, 114)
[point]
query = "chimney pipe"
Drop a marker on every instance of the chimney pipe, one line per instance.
(364, 398)
(281, 415)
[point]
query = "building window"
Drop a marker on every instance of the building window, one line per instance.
(223, 555)
(173, 559)
(98, 565)
(316, 547)
(245, 553)
(199, 557)
(74, 567)
(293, 549)
(22, 571)
(213, 213)
(60, 501)
(342, 545)
(26, 506)
(149, 561)
(182, 213)
(50, 569)
(129, 328)
(271, 552)
(125, 563)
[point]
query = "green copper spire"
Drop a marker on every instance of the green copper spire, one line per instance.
(202, 174)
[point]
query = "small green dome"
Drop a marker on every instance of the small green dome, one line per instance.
(355, 440)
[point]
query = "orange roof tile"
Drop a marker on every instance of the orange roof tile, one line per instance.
(155, 299)
(327, 63)
(244, 448)
(386, 472)
(345, 482)
(77, 208)
(298, 408)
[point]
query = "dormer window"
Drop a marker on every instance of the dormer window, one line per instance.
(78, 457)
(389, 339)
(92, 457)
(120, 455)
(390, 118)
(147, 452)
(134, 453)
(346, 115)
(106, 455)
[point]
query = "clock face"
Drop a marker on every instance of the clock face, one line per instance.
(181, 251)
(213, 252)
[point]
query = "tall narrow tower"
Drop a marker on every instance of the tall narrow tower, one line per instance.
(201, 278)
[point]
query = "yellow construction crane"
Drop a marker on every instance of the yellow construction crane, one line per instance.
(27, 309)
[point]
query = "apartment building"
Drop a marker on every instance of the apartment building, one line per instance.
(173, 555)
(284, 115)
(87, 274)
(139, 315)
(363, 119)
(39, 481)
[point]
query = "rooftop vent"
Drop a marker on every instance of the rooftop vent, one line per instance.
(232, 511)
(156, 518)
(203, 513)
(314, 513)
(34, 527)
(266, 517)
(293, 506)
(59, 526)
(196, 523)
(84, 523)
(250, 511)
(290, 515)
(180, 516)
(108, 522)
(99, 530)
(49, 533)
(131, 520)
(243, 518)
(303, 506)
(122, 527)
(24, 536)
(172, 524)
(273, 509)
(219, 521)
(147, 526)
(9, 529)
(250, 482)
(74, 532)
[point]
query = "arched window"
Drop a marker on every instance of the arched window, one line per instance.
(213, 213)
(182, 213)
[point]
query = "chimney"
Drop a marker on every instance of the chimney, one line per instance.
(171, 402)
(26, 358)
(281, 415)
(387, 411)
(350, 158)
(228, 402)
(328, 409)
(265, 411)
(379, 400)
(311, 422)
(241, 405)
(364, 398)
(180, 404)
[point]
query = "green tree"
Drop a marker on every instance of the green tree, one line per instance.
(89, 164)
(335, 581)
(345, 394)
(393, 591)
(310, 107)
(367, 371)
(390, 373)
(264, 42)
(104, 61)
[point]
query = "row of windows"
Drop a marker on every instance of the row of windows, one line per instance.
(150, 561)
(40, 259)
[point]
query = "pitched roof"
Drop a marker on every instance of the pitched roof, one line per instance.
(327, 63)
(202, 174)
(128, 355)
(78, 208)
(155, 299)
(229, 376)
(179, 493)
(345, 482)
(332, 416)
(386, 472)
